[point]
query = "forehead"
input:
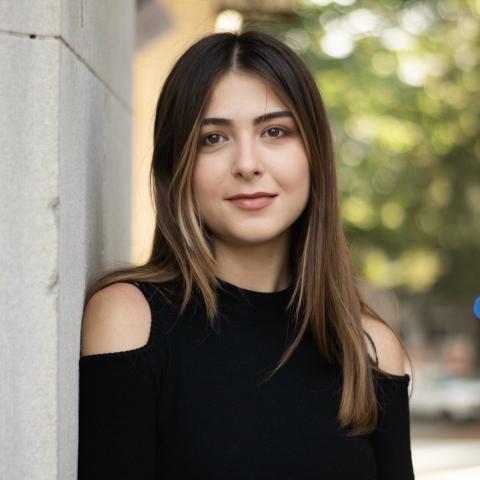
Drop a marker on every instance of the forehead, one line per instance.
(242, 94)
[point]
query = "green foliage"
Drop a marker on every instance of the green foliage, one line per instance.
(401, 83)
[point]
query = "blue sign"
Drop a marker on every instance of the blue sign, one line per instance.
(476, 307)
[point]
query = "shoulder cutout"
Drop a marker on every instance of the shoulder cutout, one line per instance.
(371, 345)
(116, 318)
(391, 358)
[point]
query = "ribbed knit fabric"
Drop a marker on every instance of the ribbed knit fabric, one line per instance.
(192, 404)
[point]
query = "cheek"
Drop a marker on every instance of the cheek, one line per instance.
(295, 176)
(295, 183)
(206, 182)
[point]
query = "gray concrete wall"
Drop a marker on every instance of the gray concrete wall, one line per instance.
(65, 172)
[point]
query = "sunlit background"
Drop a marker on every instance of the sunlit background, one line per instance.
(401, 82)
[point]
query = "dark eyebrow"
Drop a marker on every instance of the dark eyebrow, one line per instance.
(256, 120)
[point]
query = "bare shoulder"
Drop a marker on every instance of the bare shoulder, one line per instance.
(391, 357)
(116, 318)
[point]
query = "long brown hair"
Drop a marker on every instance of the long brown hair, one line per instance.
(325, 298)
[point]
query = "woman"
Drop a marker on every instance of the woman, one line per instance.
(184, 369)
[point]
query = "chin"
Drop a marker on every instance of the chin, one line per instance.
(255, 239)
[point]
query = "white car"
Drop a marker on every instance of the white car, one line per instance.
(453, 397)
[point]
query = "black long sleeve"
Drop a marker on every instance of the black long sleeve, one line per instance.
(391, 438)
(117, 417)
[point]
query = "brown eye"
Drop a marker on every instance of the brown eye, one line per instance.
(278, 129)
(204, 142)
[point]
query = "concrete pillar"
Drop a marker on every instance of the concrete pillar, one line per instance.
(65, 204)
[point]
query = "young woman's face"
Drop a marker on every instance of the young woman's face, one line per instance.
(244, 156)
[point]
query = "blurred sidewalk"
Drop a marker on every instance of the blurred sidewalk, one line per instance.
(442, 450)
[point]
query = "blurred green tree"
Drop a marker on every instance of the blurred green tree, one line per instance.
(401, 82)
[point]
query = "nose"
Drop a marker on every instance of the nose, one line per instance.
(246, 161)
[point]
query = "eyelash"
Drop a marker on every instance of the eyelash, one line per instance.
(284, 130)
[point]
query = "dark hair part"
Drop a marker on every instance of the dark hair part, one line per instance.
(326, 299)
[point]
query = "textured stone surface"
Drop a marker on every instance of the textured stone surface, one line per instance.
(65, 175)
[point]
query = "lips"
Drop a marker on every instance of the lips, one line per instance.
(253, 203)
(252, 195)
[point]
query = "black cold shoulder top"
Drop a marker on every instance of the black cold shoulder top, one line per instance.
(192, 403)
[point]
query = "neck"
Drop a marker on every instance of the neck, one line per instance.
(262, 267)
